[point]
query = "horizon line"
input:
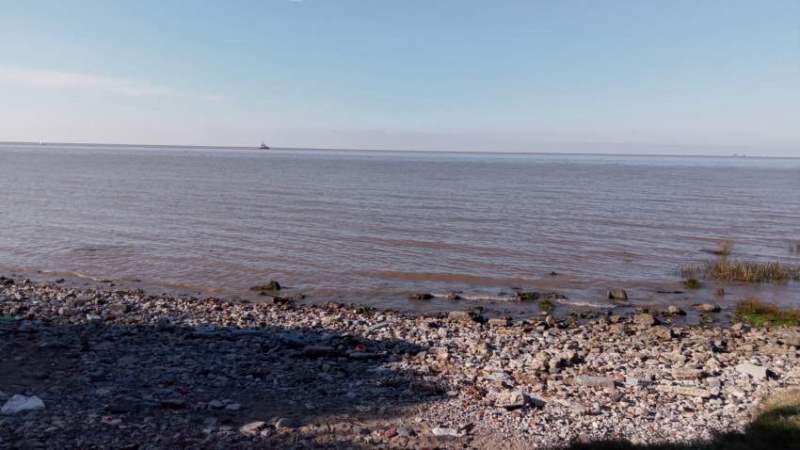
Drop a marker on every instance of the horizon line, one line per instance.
(681, 155)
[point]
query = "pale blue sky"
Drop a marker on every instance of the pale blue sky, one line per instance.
(629, 76)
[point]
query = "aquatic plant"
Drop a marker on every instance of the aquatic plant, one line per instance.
(724, 268)
(692, 283)
(547, 305)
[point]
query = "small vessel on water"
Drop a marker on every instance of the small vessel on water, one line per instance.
(263, 146)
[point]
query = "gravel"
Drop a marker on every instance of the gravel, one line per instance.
(123, 369)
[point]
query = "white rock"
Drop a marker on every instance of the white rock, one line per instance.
(21, 403)
(252, 428)
(757, 372)
(439, 431)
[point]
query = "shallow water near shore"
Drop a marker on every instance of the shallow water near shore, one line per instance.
(373, 227)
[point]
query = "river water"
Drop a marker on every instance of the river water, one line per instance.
(373, 227)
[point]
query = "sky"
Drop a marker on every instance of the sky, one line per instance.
(662, 76)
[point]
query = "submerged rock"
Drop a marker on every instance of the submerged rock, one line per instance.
(708, 308)
(617, 294)
(675, 310)
(532, 296)
(271, 286)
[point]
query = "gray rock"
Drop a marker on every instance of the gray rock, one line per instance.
(501, 378)
(233, 407)
(21, 403)
(645, 320)
(661, 332)
(685, 373)
(511, 400)
(689, 391)
(499, 322)
(462, 316)
(595, 381)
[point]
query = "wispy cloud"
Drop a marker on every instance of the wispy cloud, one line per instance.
(60, 79)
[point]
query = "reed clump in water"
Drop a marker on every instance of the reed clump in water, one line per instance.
(692, 283)
(724, 268)
(760, 313)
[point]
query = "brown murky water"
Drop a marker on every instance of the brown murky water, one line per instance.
(372, 227)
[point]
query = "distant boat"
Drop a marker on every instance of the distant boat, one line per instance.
(264, 146)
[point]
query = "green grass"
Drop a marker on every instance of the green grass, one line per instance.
(777, 427)
(759, 313)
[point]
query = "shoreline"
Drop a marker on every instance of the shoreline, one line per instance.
(580, 301)
(120, 367)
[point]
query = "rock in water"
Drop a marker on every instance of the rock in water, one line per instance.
(675, 311)
(21, 403)
(708, 308)
(271, 286)
(617, 294)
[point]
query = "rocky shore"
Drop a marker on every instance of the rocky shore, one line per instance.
(87, 368)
